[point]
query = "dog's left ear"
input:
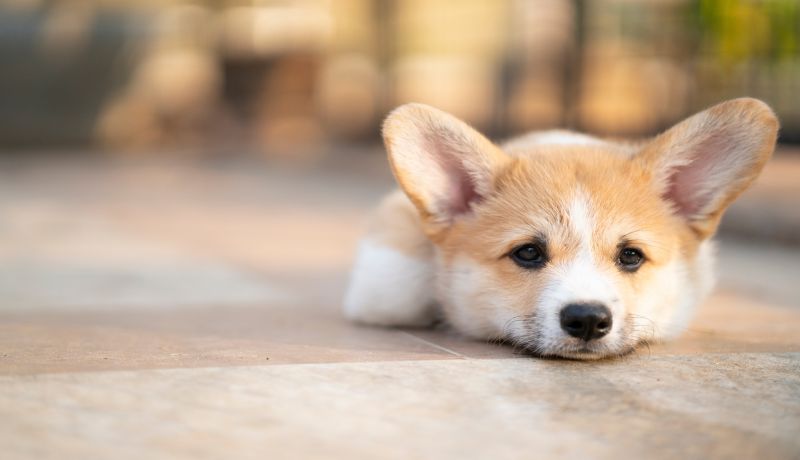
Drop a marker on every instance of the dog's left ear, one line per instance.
(443, 165)
(704, 162)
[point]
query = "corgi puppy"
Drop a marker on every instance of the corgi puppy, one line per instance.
(560, 243)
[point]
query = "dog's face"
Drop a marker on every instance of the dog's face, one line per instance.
(579, 251)
(566, 236)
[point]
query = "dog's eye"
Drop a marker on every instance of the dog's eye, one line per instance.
(630, 259)
(529, 256)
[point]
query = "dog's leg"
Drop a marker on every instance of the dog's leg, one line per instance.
(392, 283)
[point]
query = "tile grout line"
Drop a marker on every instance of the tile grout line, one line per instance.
(439, 347)
(12, 378)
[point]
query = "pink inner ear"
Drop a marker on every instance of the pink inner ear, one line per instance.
(461, 189)
(683, 189)
(693, 186)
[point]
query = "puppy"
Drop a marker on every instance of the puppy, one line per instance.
(561, 243)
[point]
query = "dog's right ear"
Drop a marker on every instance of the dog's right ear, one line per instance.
(703, 163)
(442, 164)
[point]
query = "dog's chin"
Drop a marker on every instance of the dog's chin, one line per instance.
(581, 351)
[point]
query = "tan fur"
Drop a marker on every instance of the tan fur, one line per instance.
(397, 224)
(585, 201)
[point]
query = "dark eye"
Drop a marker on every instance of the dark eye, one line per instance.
(630, 259)
(529, 256)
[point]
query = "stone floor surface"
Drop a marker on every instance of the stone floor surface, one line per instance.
(176, 308)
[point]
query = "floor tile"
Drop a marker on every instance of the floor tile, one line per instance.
(717, 406)
(213, 336)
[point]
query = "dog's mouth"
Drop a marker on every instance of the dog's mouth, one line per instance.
(586, 351)
(537, 343)
(591, 351)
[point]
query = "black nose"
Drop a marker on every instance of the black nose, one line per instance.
(586, 321)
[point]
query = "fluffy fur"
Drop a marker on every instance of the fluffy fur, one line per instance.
(442, 247)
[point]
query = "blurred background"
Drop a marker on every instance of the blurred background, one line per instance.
(301, 77)
(246, 132)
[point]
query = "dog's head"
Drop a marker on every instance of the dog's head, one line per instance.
(580, 250)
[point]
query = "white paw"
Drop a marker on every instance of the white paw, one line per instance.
(389, 288)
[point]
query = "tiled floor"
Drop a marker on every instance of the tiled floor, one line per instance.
(177, 309)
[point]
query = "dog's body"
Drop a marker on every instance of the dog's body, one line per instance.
(563, 243)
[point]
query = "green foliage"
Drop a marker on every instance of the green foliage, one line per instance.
(739, 30)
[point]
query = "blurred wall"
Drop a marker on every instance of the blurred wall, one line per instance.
(288, 75)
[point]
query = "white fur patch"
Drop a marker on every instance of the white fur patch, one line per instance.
(556, 137)
(473, 303)
(666, 307)
(389, 288)
(581, 220)
(579, 280)
(565, 138)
